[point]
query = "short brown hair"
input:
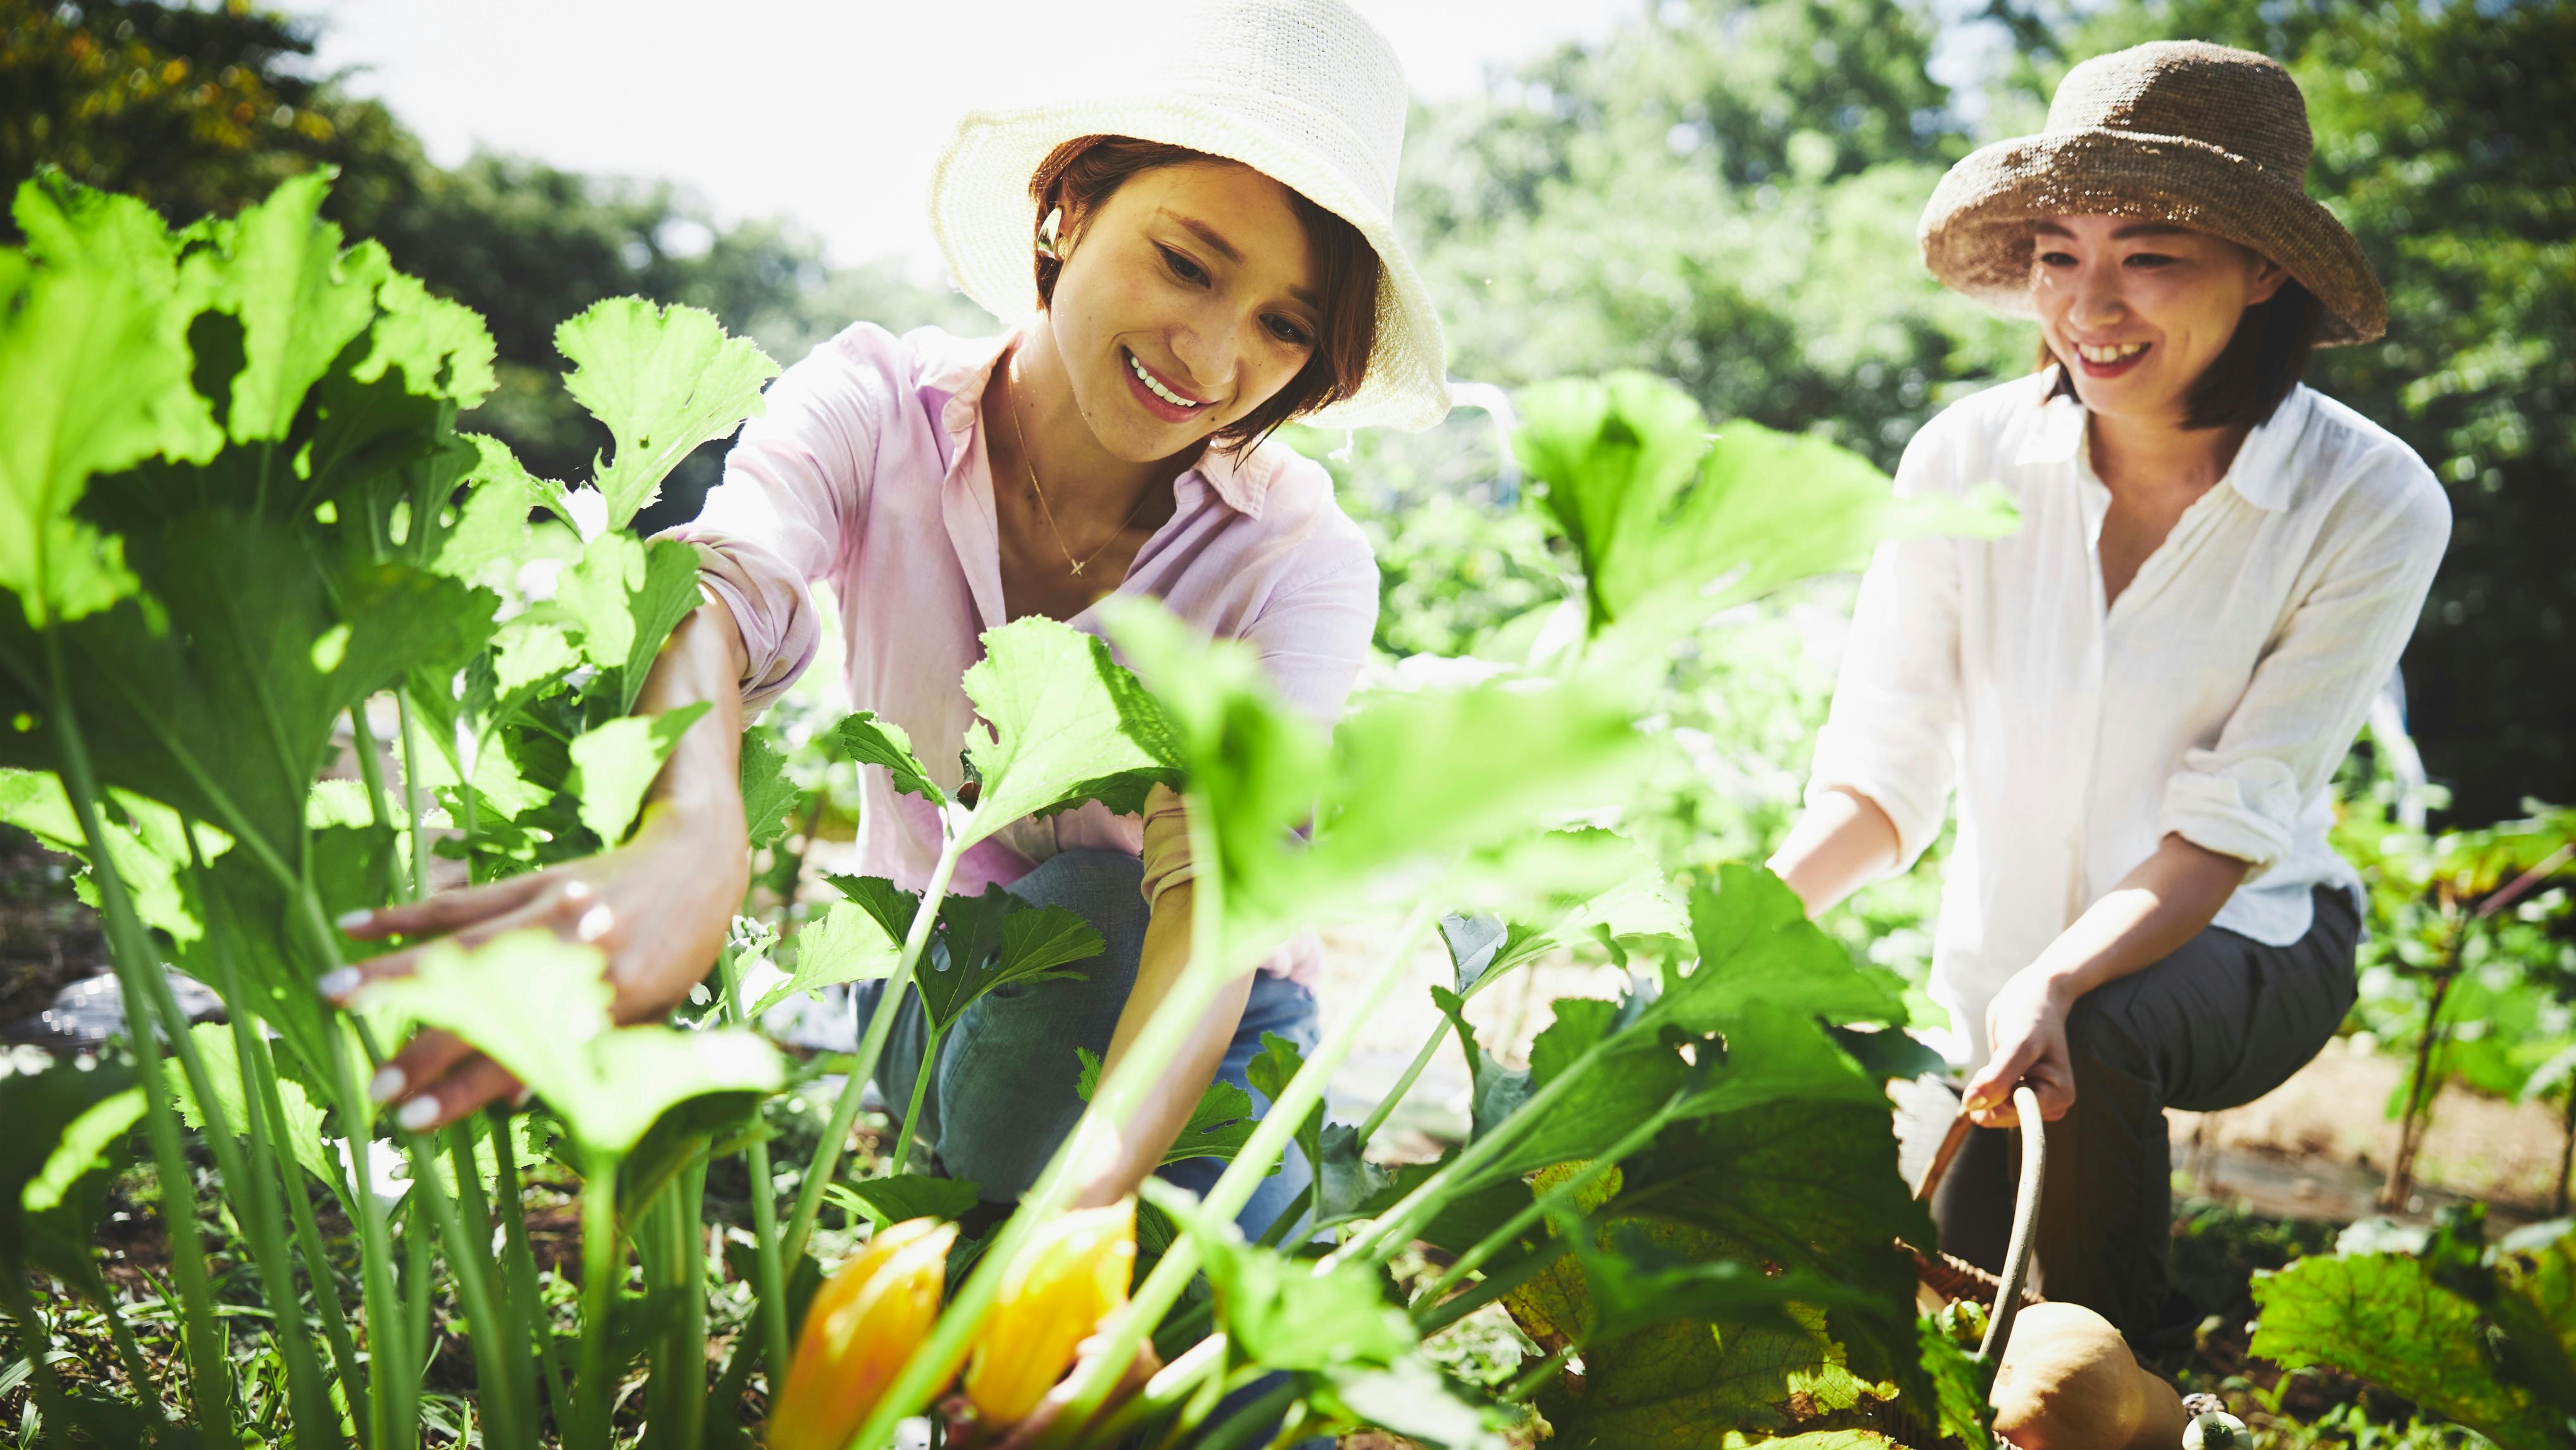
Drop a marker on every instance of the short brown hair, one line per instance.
(2252, 374)
(1083, 173)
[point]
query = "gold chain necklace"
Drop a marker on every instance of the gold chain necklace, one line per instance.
(1029, 466)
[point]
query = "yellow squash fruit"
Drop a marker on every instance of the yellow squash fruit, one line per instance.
(1072, 1274)
(2068, 1382)
(864, 1323)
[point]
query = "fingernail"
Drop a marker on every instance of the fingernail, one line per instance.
(338, 983)
(349, 921)
(416, 1116)
(521, 1100)
(594, 923)
(385, 1085)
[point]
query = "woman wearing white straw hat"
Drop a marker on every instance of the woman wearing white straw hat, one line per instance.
(1190, 256)
(2143, 694)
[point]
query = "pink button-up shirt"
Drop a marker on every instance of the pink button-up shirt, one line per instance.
(868, 469)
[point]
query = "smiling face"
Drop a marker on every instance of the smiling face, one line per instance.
(2138, 310)
(1188, 299)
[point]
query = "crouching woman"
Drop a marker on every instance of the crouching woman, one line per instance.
(1192, 253)
(2141, 697)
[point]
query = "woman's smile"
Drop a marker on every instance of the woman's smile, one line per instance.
(2110, 359)
(1159, 397)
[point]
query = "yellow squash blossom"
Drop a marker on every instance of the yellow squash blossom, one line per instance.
(865, 1322)
(1068, 1278)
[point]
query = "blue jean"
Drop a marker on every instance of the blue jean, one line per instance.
(1001, 1095)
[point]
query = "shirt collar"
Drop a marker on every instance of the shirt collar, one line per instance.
(1240, 479)
(2260, 474)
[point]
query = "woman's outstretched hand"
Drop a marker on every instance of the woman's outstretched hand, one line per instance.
(2026, 1034)
(657, 906)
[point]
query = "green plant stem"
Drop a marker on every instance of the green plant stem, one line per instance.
(1413, 1070)
(511, 1317)
(1403, 1084)
(1250, 1420)
(520, 1263)
(315, 1421)
(689, 1337)
(770, 1283)
(1563, 1193)
(395, 1394)
(912, 1110)
(1435, 1317)
(469, 1264)
(845, 1111)
(1234, 1188)
(601, 1264)
(420, 1287)
(1397, 1225)
(415, 806)
(136, 964)
(1532, 1382)
(308, 1245)
(1171, 1386)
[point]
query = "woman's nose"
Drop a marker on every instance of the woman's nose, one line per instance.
(2098, 301)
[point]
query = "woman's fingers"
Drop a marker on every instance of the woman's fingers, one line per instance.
(425, 1059)
(468, 1086)
(448, 910)
(567, 905)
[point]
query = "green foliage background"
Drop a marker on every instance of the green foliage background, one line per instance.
(1723, 192)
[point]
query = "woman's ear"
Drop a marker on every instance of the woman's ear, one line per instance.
(2268, 277)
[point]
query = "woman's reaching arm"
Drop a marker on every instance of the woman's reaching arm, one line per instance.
(658, 905)
(1841, 843)
(1139, 1149)
(2166, 901)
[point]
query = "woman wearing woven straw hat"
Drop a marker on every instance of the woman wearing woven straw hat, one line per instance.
(1192, 254)
(2143, 694)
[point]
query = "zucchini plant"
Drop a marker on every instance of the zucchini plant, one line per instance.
(241, 526)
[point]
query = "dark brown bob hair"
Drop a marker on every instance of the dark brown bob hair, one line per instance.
(1081, 174)
(2252, 374)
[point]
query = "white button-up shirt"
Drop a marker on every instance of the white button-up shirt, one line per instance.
(2212, 700)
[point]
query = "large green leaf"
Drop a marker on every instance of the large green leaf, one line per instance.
(307, 1127)
(626, 596)
(614, 763)
(94, 362)
(67, 1125)
(995, 940)
(539, 1007)
(1438, 793)
(279, 269)
(663, 380)
(1757, 946)
(1674, 524)
(2391, 1318)
(221, 701)
(1061, 724)
(1218, 1127)
(1283, 1312)
(845, 944)
(145, 845)
(911, 1195)
(768, 791)
(872, 741)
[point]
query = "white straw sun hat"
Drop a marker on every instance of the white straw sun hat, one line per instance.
(1303, 91)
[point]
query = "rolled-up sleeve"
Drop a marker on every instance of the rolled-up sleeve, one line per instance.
(2243, 795)
(1312, 642)
(1892, 731)
(795, 488)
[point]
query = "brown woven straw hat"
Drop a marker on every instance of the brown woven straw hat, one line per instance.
(2199, 135)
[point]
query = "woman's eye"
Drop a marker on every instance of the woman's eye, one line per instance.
(1182, 267)
(2056, 259)
(2146, 260)
(1288, 332)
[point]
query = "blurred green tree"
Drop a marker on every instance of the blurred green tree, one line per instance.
(203, 109)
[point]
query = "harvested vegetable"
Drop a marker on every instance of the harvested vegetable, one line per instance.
(2068, 1382)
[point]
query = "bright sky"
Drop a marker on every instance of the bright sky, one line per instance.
(828, 113)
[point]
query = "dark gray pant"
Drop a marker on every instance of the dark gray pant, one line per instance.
(2219, 1023)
